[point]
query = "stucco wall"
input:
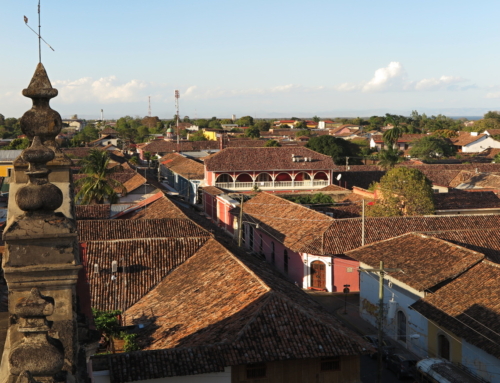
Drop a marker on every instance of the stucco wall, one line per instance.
(480, 362)
(216, 377)
(455, 346)
(416, 324)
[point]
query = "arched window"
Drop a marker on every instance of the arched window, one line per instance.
(273, 256)
(224, 178)
(285, 261)
(244, 177)
(264, 177)
(401, 326)
(443, 347)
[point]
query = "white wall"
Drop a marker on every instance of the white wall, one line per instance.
(480, 145)
(480, 362)
(308, 259)
(416, 323)
(215, 377)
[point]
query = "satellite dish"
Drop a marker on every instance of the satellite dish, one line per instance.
(339, 177)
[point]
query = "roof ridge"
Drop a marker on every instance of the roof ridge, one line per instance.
(145, 239)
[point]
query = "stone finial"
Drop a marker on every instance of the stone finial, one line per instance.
(41, 120)
(41, 124)
(36, 352)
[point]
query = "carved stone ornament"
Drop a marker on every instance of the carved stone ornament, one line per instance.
(36, 352)
(41, 124)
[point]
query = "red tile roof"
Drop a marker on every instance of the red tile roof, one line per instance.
(212, 190)
(162, 146)
(159, 208)
(469, 307)
(142, 264)
(187, 168)
(466, 200)
(133, 183)
(465, 138)
(218, 298)
(247, 159)
(285, 221)
(345, 234)
(108, 130)
(425, 261)
(92, 211)
(102, 230)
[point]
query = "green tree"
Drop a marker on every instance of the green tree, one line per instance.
(226, 121)
(272, 143)
(495, 115)
(252, 132)
(197, 136)
(263, 125)
(214, 124)
(107, 323)
(303, 132)
(201, 123)
(316, 119)
(405, 192)
(335, 147)
(245, 121)
(429, 147)
(391, 136)
(97, 186)
(2, 119)
(17, 144)
(301, 125)
(388, 158)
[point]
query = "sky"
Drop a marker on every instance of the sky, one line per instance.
(264, 58)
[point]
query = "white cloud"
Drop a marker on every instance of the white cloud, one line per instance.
(493, 95)
(437, 83)
(391, 77)
(395, 78)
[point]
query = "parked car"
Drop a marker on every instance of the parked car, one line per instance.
(403, 365)
(387, 347)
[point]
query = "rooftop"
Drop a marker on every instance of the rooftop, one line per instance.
(425, 261)
(187, 168)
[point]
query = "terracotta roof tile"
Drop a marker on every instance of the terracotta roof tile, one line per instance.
(160, 208)
(212, 190)
(102, 230)
(333, 188)
(287, 222)
(425, 261)
(232, 143)
(345, 234)
(92, 211)
(469, 307)
(162, 146)
(133, 183)
(216, 297)
(465, 138)
(142, 264)
(241, 159)
(108, 130)
(466, 200)
(186, 167)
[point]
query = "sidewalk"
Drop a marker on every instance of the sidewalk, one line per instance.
(354, 321)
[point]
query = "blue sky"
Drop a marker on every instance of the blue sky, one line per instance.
(263, 58)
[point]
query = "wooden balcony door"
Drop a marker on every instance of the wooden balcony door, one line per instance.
(318, 275)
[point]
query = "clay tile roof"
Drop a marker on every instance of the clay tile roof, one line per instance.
(159, 208)
(247, 159)
(465, 138)
(142, 264)
(469, 307)
(232, 143)
(493, 132)
(108, 130)
(189, 169)
(102, 230)
(92, 211)
(345, 234)
(218, 298)
(134, 182)
(483, 181)
(162, 146)
(425, 261)
(490, 152)
(333, 188)
(287, 222)
(76, 152)
(439, 177)
(466, 200)
(486, 241)
(212, 190)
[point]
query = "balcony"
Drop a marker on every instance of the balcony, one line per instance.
(273, 185)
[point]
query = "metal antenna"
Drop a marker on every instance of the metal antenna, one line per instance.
(40, 38)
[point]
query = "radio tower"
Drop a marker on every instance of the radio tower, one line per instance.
(177, 118)
(149, 109)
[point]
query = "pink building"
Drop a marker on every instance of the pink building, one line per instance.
(276, 169)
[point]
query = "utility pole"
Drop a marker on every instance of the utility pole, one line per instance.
(363, 224)
(346, 163)
(240, 224)
(381, 272)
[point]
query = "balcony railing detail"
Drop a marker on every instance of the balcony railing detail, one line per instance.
(267, 185)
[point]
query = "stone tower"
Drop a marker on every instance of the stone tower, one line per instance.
(41, 262)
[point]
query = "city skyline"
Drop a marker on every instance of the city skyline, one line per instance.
(265, 59)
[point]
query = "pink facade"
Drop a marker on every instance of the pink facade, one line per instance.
(210, 205)
(225, 219)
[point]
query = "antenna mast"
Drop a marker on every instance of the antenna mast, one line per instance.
(177, 118)
(149, 109)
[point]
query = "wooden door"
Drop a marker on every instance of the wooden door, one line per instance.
(318, 275)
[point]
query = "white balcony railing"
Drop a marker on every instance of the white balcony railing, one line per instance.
(273, 185)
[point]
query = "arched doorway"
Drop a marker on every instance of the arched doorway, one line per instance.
(321, 176)
(318, 275)
(302, 176)
(443, 347)
(283, 180)
(401, 326)
(244, 177)
(224, 178)
(264, 177)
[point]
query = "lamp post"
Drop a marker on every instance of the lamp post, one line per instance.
(346, 291)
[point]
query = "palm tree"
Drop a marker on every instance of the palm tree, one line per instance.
(391, 136)
(388, 158)
(97, 186)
